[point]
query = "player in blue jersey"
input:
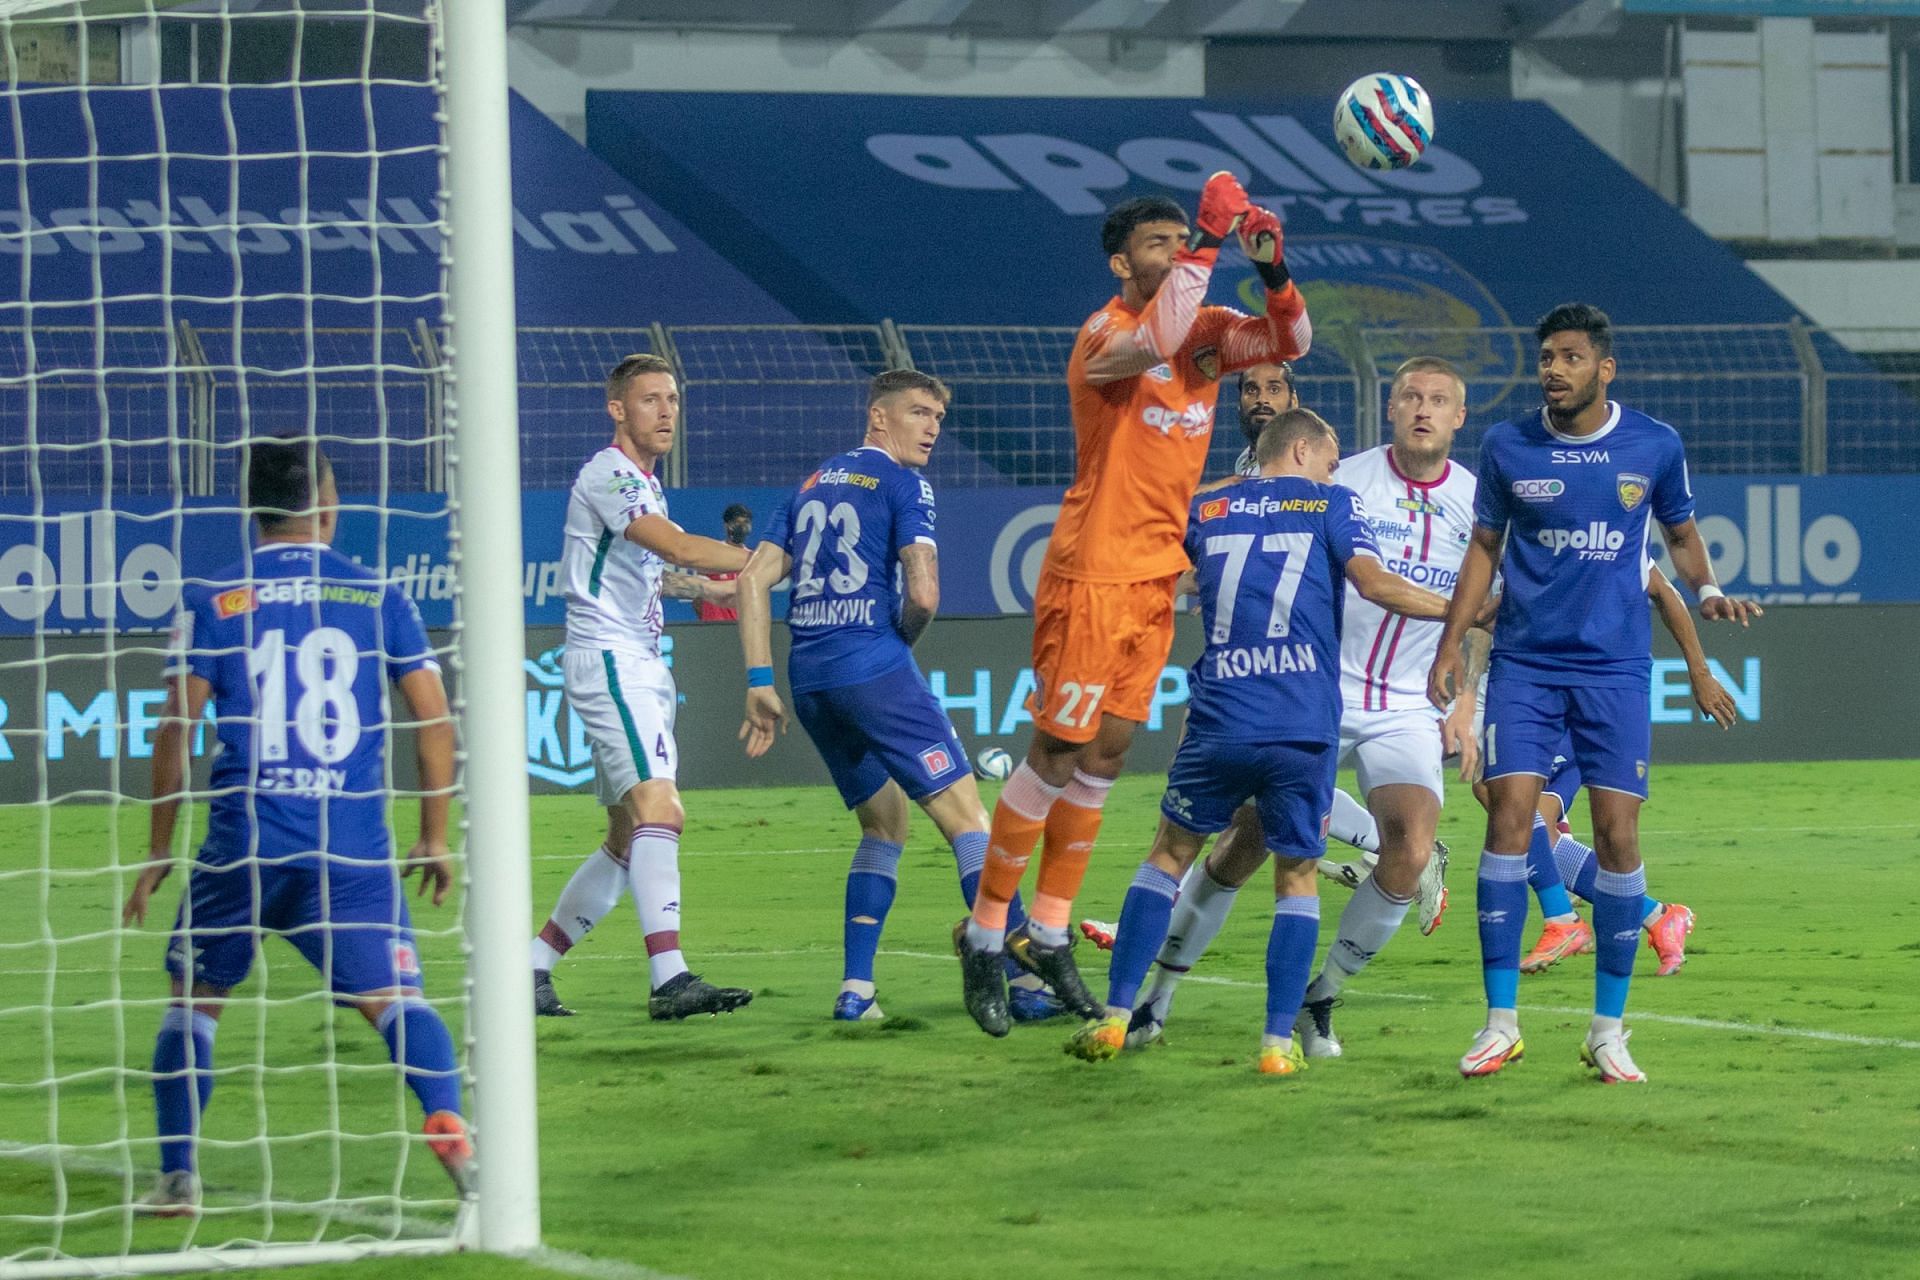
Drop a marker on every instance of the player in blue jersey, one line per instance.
(858, 535)
(295, 647)
(1567, 496)
(1271, 555)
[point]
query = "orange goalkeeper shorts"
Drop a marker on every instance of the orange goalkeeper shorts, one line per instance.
(1098, 649)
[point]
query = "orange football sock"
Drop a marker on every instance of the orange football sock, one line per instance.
(1071, 829)
(1018, 819)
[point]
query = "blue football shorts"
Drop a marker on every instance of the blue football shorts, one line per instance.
(348, 919)
(1290, 782)
(888, 727)
(1606, 733)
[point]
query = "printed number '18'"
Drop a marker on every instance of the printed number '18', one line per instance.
(812, 523)
(1294, 547)
(326, 717)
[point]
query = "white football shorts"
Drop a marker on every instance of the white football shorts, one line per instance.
(1392, 747)
(626, 701)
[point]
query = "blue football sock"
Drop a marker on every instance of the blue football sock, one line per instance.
(970, 857)
(185, 1044)
(1577, 863)
(1616, 932)
(1137, 938)
(419, 1045)
(1290, 948)
(1502, 902)
(871, 882)
(1543, 873)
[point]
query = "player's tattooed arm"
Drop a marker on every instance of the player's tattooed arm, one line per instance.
(691, 586)
(1476, 650)
(921, 565)
(1708, 693)
(1690, 562)
(187, 698)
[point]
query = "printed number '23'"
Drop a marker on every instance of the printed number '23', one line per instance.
(813, 523)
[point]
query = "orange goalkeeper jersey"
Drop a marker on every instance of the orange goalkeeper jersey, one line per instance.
(1141, 441)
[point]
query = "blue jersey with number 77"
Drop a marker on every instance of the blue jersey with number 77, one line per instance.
(299, 644)
(1271, 554)
(845, 527)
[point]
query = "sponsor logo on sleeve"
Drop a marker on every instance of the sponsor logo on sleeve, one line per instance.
(1538, 490)
(231, 604)
(1631, 488)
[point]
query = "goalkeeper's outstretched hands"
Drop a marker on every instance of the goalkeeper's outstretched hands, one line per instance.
(1223, 202)
(1262, 239)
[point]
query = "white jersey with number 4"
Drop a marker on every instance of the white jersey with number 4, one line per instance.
(1423, 531)
(612, 585)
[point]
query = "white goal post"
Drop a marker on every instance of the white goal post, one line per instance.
(198, 252)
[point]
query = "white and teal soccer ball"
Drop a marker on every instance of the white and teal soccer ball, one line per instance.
(994, 765)
(1383, 121)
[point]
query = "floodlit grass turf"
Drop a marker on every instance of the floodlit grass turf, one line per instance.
(776, 1143)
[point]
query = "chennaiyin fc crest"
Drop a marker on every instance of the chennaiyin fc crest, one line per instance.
(1631, 488)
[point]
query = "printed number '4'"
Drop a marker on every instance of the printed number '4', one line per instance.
(812, 523)
(1074, 693)
(326, 718)
(1293, 547)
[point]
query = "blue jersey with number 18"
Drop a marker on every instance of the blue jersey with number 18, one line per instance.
(845, 527)
(299, 644)
(1577, 512)
(1271, 557)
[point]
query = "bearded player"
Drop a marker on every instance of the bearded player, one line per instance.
(1142, 379)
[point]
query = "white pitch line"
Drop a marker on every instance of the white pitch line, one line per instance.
(579, 1264)
(1671, 1019)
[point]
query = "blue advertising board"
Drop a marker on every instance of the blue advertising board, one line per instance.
(1814, 540)
(274, 198)
(989, 209)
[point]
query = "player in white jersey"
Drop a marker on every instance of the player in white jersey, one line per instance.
(1419, 505)
(617, 546)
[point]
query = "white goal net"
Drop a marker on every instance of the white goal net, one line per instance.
(223, 221)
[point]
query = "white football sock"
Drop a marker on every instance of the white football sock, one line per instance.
(1198, 914)
(1370, 919)
(653, 868)
(593, 891)
(1352, 824)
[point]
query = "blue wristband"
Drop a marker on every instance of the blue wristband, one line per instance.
(759, 677)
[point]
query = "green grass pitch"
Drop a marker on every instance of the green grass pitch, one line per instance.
(1777, 1137)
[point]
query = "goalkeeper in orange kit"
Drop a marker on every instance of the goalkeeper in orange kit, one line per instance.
(1143, 379)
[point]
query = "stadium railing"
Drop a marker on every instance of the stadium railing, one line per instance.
(764, 402)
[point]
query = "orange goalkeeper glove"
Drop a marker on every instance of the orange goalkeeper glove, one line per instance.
(1223, 201)
(1261, 238)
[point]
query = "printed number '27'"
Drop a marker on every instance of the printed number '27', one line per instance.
(1085, 699)
(812, 523)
